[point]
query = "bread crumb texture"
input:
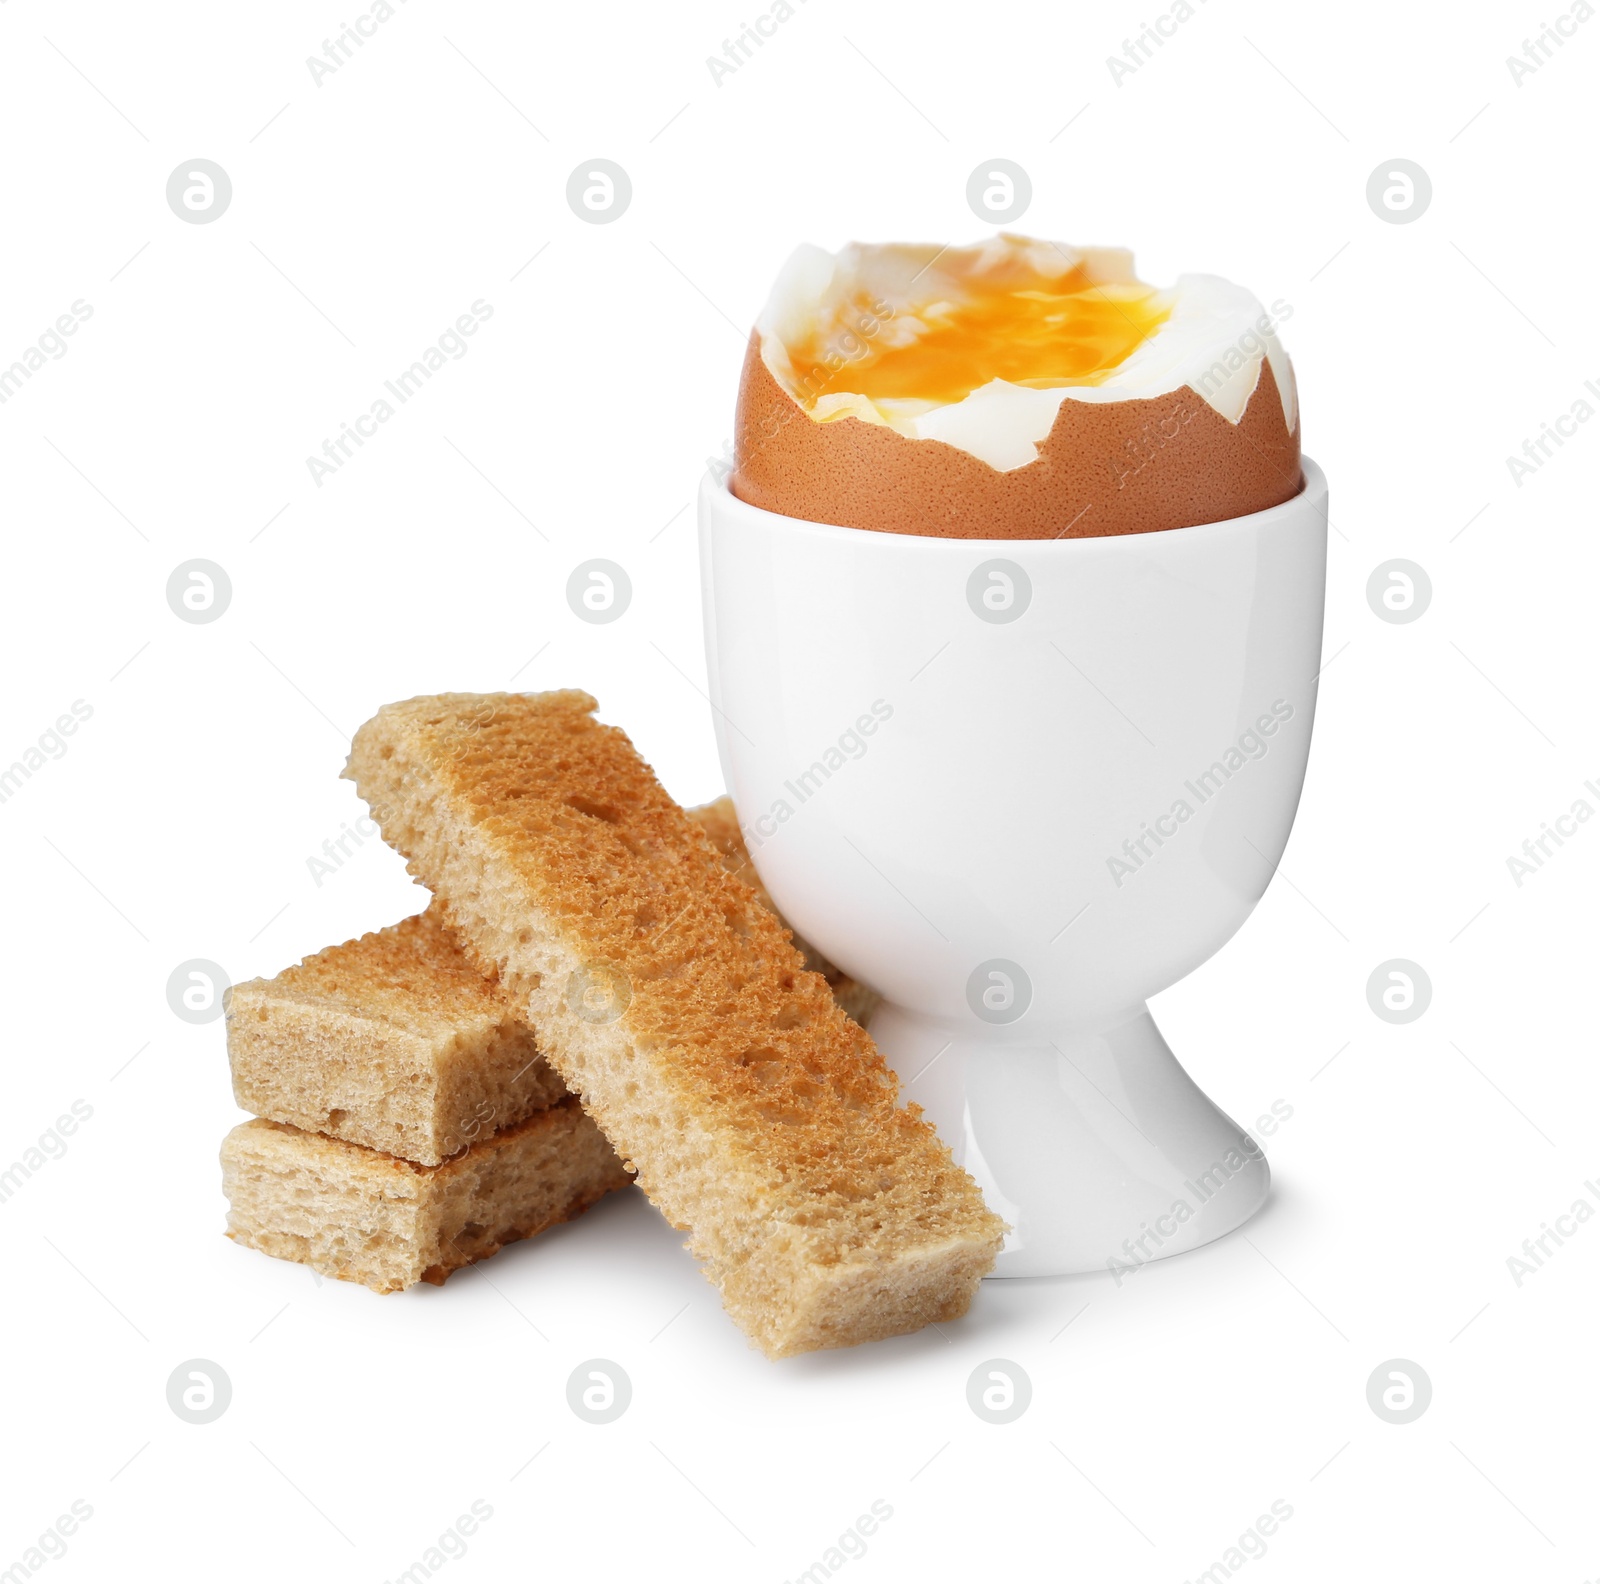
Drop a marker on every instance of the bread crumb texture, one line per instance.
(761, 1119)
(363, 1216)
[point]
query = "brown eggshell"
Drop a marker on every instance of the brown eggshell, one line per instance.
(1105, 467)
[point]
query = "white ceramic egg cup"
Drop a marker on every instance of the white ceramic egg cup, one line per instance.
(1019, 786)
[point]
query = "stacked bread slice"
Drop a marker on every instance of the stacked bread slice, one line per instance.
(406, 1123)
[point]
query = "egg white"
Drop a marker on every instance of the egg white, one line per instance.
(1215, 338)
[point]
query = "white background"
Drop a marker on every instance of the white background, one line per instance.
(367, 213)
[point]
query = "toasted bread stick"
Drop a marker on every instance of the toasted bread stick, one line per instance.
(761, 1119)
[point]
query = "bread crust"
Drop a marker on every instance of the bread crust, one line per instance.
(761, 1119)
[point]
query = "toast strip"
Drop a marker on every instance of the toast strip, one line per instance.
(721, 823)
(367, 1217)
(761, 1120)
(399, 1042)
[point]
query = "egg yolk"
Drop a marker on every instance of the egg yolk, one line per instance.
(1066, 331)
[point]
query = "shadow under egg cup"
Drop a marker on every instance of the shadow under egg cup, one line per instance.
(1019, 786)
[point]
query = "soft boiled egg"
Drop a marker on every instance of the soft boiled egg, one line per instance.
(1015, 389)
